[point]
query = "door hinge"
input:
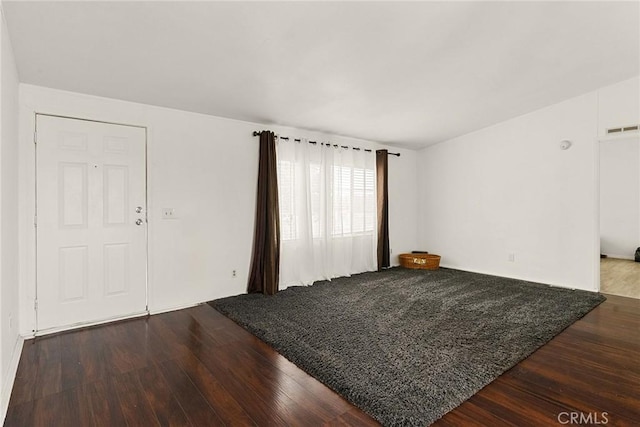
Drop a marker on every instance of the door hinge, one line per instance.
(35, 221)
(35, 305)
(35, 138)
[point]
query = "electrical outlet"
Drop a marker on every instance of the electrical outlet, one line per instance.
(511, 258)
(169, 213)
(233, 273)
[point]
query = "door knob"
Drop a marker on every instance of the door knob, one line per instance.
(139, 209)
(138, 221)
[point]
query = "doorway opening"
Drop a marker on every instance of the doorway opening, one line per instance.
(619, 216)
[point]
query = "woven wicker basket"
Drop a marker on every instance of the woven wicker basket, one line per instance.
(421, 261)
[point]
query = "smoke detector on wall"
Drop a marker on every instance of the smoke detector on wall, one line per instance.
(565, 144)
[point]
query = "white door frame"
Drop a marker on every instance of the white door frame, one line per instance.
(596, 265)
(37, 331)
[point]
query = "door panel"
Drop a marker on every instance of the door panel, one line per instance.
(72, 281)
(116, 266)
(72, 193)
(91, 254)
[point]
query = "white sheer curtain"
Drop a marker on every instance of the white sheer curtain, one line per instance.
(327, 212)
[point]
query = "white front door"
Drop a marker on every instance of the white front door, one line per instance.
(91, 221)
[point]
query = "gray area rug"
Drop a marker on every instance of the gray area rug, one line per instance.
(408, 346)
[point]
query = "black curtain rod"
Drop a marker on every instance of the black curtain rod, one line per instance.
(286, 138)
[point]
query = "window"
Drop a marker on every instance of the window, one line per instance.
(351, 200)
(315, 190)
(353, 203)
(364, 200)
(327, 211)
(287, 200)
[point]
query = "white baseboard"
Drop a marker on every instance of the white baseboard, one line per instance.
(630, 258)
(175, 308)
(10, 377)
(151, 311)
(81, 325)
(556, 285)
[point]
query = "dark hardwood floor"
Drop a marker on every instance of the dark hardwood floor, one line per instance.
(196, 367)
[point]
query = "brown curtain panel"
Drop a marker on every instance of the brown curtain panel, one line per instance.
(382, 174)
(265, 262)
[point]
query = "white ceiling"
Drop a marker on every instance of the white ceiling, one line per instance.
(410, 74)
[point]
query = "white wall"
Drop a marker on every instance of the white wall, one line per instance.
(509, 189)
(618, 106)
(403, 203)
(620, 197)
(206, 169)
(9, 307)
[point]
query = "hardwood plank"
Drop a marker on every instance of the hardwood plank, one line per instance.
(227, 408)
(249, 389)
(79, 409)
(596, 355)
(20, 414)
(167, 409)
(25, 381)
(175, 346)
(508, 403)
(103, 403)
(252, 403)
(197, 409)
(569, 385)
(135, 407)
(48, 411)
(48, 379)
(82, 359)
(275, 386)
(271, 365)
(60, 409)
(321, 394)
(272, 372)
(352, 418)
(126, 349)
(48, 349)
(470, 414)
(266, 383)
